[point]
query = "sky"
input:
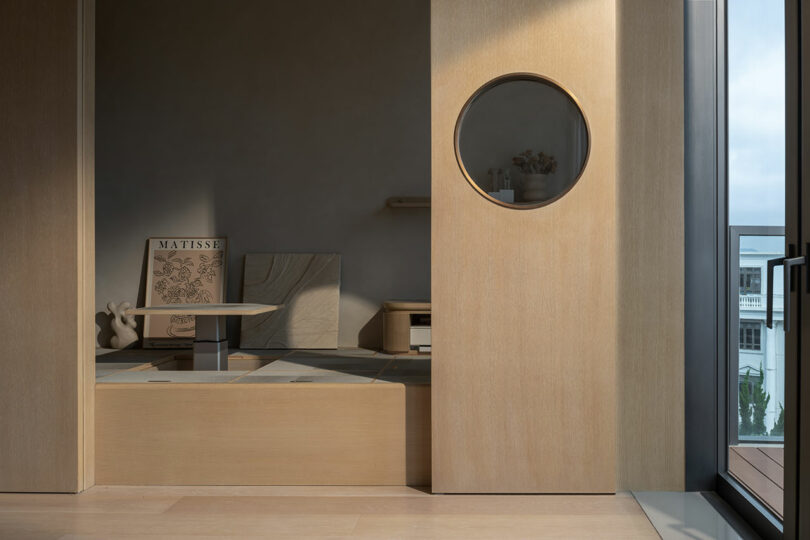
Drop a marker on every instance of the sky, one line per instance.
(771, 245)
(756, 112)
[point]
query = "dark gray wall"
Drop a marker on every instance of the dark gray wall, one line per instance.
(281, 125)
(704, 262)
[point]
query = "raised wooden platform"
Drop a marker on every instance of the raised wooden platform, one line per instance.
(295, 418)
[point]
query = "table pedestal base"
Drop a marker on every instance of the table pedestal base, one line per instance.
(211, 356)
(210, 344)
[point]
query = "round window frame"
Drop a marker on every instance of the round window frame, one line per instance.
(509, 77)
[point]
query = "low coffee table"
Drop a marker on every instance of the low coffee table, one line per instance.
(211, 340)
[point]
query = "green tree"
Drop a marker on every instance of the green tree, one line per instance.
(779, 426)
(746, 427)
(759, 403)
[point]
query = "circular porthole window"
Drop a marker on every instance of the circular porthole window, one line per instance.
(522, 141)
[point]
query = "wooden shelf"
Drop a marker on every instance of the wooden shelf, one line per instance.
(408, 202)
(204, 309)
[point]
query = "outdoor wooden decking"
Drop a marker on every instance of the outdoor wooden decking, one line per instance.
(762, 470)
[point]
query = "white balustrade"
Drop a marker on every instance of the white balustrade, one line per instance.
(759, 302)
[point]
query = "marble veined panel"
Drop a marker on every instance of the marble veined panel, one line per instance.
(309, 287)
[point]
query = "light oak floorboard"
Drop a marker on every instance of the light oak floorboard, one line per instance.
(314, 512)
(436, 505)
(504, 526)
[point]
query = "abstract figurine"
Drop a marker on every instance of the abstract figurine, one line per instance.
(123, 325)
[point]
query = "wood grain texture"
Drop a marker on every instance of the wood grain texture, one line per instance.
(286, 434)
(86, 235)
(308, 285)
(417, 431)
(775, 453)
(769, 468)
(762, 470)
(524, 302)
(744, 465)
(46, 222)
(397, 324)
(650, 369)
(112, 512)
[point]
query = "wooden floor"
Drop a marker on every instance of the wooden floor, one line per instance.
(316, 512)
(762, 470)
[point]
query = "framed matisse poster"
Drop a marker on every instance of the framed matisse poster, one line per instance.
(181, 271)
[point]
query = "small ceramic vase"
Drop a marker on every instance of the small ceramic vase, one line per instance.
(535, 187)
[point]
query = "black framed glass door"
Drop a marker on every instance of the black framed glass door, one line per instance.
(797, 433)
(757, 219)
(756, 363)
(768, 283)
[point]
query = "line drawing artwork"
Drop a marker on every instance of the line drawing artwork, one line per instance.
(177, 283)
(182, 275)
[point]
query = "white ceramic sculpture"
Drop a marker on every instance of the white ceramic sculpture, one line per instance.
(123, 325)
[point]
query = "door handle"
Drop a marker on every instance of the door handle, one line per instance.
(769, 294)
(789, 264)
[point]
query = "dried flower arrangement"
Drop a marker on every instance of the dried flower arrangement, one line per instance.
(528, 163)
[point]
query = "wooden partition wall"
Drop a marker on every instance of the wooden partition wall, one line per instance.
(524, 301)
(46, 219)
(650, 178)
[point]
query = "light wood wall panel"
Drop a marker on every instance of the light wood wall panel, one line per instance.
(86, 235)
(263, 434)
(524, 302)
(650, 176)
(46, 224)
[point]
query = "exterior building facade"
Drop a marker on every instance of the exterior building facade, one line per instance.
(761, 350)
